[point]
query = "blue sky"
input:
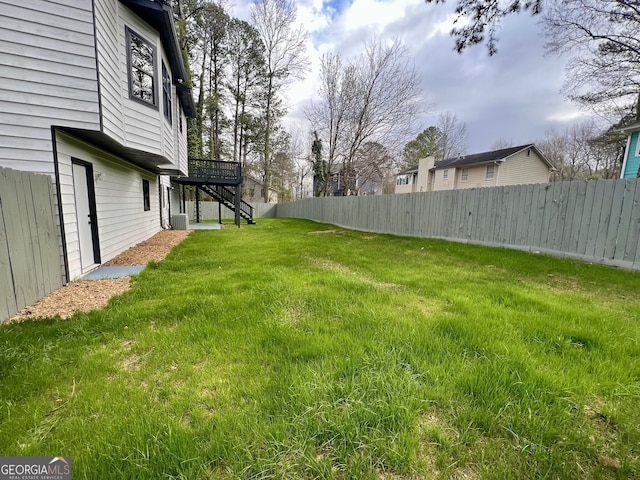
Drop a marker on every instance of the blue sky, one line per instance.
(513, 96)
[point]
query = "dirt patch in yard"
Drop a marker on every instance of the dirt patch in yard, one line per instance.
(87, 295)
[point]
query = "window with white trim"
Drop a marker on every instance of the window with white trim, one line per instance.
(403, 180)
(141, 61)
(490, 172)
(464, 174)
(445, 174)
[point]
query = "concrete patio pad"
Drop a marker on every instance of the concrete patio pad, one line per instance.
(204, 226)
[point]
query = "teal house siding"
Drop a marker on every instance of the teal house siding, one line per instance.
(632, 163)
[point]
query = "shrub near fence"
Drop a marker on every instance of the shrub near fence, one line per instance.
(29, 249)
(597, 221)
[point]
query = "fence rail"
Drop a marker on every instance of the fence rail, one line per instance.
(209, 210)
(29, 249)
(597, 221)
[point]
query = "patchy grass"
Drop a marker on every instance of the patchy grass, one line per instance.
(276, 351)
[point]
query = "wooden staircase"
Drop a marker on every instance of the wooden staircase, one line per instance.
(226, 197)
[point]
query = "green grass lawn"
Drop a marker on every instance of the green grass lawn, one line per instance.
(292, 349)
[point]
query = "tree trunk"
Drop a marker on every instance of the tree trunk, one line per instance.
(267, 142)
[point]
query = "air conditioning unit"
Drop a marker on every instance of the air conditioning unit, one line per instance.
(180, 221)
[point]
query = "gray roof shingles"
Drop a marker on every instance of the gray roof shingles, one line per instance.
(477, 158)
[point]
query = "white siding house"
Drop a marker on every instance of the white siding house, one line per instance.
(91, 93)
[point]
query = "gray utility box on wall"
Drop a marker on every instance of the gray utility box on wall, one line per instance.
(180, 221)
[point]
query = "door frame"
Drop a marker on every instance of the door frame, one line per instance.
(95, 239)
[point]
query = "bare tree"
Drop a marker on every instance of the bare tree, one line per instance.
(453, 135)
(375, 98)
(603, 37)
(480, 20)
(373, 163)
(582, 151)
(502, 143)
(337, 91)
(285, 48)
(303, 164)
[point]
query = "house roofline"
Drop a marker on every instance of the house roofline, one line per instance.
(408, 171)
(459, 162)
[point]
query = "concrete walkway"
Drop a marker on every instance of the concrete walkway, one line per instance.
(113, 272)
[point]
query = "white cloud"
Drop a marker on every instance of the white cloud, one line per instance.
(513, 95)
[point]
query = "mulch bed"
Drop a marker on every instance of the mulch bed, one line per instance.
(87, 295)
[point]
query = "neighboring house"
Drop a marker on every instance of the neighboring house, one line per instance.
(631, 162)
(523, 164)
(92, 93)
(253, 190)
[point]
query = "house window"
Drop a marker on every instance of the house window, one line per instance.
(180, 116)
(166, 92)
(490, 172)
(445, 174)
(464, 175)
(403, 180)
(146, 198)
(142, 69)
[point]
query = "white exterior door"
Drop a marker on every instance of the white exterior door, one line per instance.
(83, 197)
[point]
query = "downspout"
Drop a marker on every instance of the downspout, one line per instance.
(497, 163)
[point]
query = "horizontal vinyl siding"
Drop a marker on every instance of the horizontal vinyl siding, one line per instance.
(165, 200)
(129, 122)
(132, 123)
(521, 169)
(440, 183)
(404, 189)
(168, 136)
(48, 77)
(122, 221)
(112, 86)
(477, 177)
(633, 160)
(183, 152)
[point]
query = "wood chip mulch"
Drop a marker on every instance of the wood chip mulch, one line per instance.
(153, 249)
(87, 295)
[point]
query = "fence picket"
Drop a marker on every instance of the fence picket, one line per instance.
(29, 248)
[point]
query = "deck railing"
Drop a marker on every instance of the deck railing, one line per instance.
(214, 170)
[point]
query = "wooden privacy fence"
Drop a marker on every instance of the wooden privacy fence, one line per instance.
(29, 249)
(597, 221)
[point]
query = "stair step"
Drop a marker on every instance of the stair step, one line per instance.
(217, 192)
